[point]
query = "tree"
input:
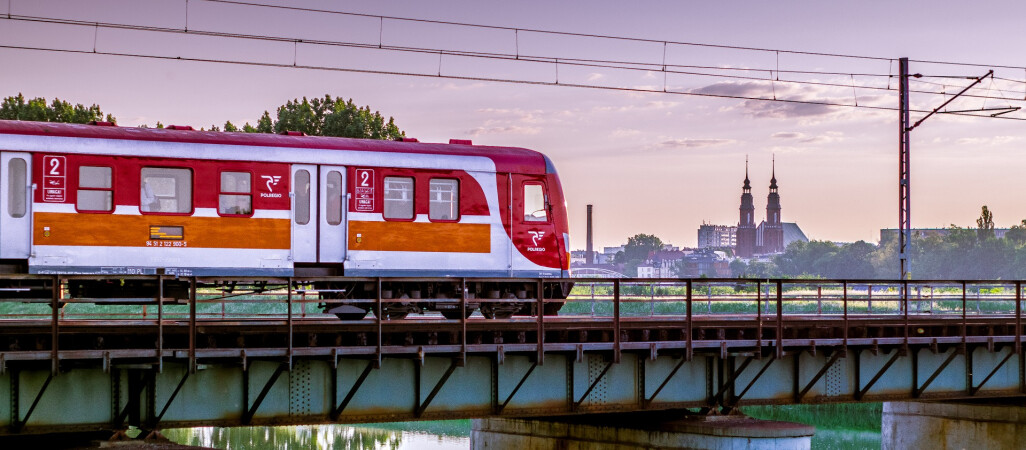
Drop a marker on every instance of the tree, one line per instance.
(330, 117)
(17, 108)
(640, 246)
(985, 224)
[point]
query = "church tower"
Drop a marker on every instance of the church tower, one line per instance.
(773, 234)
(746, 225)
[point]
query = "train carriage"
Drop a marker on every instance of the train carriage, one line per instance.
(102, 199)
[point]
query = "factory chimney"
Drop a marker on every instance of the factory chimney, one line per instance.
(589, 255)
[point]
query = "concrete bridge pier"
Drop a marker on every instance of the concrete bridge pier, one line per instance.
(653, 430)
(953, 425)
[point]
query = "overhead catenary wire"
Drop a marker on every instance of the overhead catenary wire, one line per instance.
(566, 61)
(490, 79)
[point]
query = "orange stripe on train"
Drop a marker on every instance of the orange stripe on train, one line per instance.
(116, 230)
(420, 237)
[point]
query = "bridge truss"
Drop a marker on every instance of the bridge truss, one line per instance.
(232, 351)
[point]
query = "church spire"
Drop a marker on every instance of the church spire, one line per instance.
(773, 177)
(748, 184)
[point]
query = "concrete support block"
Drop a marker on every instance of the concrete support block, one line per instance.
(952, 425)
(639, 430)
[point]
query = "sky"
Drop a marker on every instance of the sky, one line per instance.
(649, 162)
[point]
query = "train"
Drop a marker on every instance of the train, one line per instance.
(102, 199)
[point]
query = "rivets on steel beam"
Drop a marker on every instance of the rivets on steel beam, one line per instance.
(580, 353)
(106, 362)
(653, 351)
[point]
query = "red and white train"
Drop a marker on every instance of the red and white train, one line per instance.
(102, 199)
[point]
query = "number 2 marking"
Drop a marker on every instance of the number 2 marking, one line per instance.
(55, 165)
(364, 178)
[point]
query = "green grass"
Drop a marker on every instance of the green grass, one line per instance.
(839, 416)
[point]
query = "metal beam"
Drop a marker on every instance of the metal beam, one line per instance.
(862, 392)
(16, 423)
(438, 386)
(974, 389)
(577, 403)
(730, 381)
(248, 416)
(815, 379)
(648, 401)
(335, 413)
(737, 398)
(917, 391)
(156, 420)
(501, 407)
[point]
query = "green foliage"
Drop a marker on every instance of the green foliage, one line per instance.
(331, 117)
(640, 246)
(17, 108)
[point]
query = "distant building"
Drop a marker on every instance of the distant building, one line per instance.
(892, 233)
(713, 264)
(717, 236)
(768, 237)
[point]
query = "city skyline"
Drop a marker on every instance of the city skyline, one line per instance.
(668, 162)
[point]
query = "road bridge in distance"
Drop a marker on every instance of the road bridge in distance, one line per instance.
(235, 351)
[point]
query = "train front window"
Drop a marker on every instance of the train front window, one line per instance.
(333, 207)
(534, 204)
(398, 197)
(236, 194)
(164, 190)
(444, 200)
(95, 189)
(302, 187)
(17, 188)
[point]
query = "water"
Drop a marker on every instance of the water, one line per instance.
(843, 426)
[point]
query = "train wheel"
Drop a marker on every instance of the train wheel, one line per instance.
(499, 311)
(454, 314)
(348, 312)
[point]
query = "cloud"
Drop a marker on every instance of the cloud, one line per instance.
(624, 133)
(595, 76)
(988, 141)
(782, 110)
(510, 129)
(826, 138)
(737, 89)
(650, 105)
(694, 143)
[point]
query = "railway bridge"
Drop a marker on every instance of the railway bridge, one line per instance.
(242, 351)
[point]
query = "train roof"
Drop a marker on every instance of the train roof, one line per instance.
(506, 159)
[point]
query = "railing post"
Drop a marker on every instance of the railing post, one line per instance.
(844, 303)
(192, 324)
(758, 315)
(904, 296)
(463, 321)
(54, 324)
(1018, 318)
(780, 319)
(288, 300)
(616, 320)
(377, 315)
(541, 321)
(689, 351)
(965, 325)
(160, 325)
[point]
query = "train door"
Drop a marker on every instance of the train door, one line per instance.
(533, 231)
(332, 212)
(16, 202)
(304, 213)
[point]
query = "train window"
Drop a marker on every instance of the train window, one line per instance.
(17, 188)
(235, 197)
(165, 190)
(95, 189)
(333, 207)
(398, 197)
(534, 204)
(444, 199)
(302, 187)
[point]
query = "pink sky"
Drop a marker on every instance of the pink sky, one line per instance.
(650, 163)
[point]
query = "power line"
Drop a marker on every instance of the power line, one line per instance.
(603, 36)
(566, 61)
(489, 79)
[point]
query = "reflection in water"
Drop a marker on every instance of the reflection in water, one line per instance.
(843, 426)
(342, 437)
